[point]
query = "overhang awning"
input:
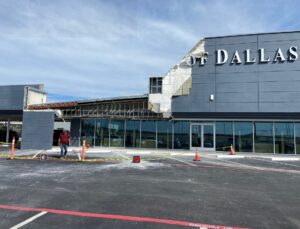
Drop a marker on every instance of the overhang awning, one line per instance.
(12, 115)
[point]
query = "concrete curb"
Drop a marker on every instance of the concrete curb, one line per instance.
(285, 159)
(230, 156)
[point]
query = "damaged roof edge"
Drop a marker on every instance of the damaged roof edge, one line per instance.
(87, 101)
(144, 96)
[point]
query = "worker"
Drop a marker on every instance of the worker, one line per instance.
(63, 141)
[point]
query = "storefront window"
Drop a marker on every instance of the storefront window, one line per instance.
(3, 132)
(224, 136)
(263, 137)
(284, 137)
(164, 134)
(116, 130)
(243, 133)
(132, 138)
(88, 131)
(297, 133)
(102, 132)
(148, 135)
(181, 135)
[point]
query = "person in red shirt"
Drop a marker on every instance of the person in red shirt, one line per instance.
(64, 139)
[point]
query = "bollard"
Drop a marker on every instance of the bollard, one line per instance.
(12, 152)
(83, 151)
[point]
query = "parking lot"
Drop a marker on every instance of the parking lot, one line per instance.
(163, 191)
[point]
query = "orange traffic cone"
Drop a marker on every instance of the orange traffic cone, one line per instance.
(231, 150)
(196, 156)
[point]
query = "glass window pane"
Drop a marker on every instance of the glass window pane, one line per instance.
(208, 136)
(116, 128)
(159, 81)
(284, 137)
(132, 134)
(196, 132)
(3, 129)
(164, 134)
(243, 136)
(263, 137)
(154, 82)
(159, 90)
(148, 134)
(87, 130)
(102, 132)
(297, 132)
(224, 136)
(181, 135)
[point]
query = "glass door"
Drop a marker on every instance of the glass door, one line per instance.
(196, 136)
(202, 136)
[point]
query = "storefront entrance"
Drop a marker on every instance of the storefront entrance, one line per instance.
(202, 136)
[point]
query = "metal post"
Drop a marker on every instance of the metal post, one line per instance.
(253, 136)
(172, 134)
(295, 144)
(155, 134)
(273, 130)
(7, 131)
(233, 129)
(125, 130)
(12, 153)
(140, 145)
(95, 124)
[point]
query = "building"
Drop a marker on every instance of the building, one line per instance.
(239, 90)
(13, 100)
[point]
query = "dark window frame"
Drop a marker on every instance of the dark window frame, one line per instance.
(155, 85)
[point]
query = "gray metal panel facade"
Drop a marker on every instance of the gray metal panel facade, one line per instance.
(75, 132)
(12, 97)
(256, 87)
(37, 130)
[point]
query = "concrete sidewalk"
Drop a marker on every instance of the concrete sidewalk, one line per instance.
(167, 152)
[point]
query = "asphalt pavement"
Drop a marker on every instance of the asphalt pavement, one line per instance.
(162, 191)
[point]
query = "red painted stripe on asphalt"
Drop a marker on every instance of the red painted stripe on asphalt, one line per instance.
(118, 217)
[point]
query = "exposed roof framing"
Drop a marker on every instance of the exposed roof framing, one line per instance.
(132, 107)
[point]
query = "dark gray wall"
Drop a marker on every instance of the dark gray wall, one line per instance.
(37, 130)
(12, 96)
(257, 87)
(75, 132)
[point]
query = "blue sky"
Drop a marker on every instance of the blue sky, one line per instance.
(95, 49)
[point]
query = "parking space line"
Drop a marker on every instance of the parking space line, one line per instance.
(119, 217)
(259, 159)
(27, 221)
(122, 155)
(244, 166)
(240, 164)
(176, 159)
